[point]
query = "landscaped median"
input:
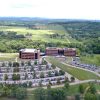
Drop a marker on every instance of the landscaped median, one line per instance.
(78, 73)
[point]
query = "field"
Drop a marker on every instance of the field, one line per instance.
(95, 59)
(8, 56)
(42, 34)
(78, 73)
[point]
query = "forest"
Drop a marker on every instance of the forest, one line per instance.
(86, 32)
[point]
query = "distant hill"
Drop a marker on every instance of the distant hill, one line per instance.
(43, 20)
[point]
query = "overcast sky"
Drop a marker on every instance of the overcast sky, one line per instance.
(80, 9)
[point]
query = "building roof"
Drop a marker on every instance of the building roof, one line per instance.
(74, 49)
(52, 48)
(29, 50)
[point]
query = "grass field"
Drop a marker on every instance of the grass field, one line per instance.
(95, 59)
(8, 56)
(75, 90)
(43, 34)
(78, 73)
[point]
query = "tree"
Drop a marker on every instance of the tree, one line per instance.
(21, 93)
(98, 97)
(22, 63)
(48, 93)
(50, 82)
(44, 62)
(10, 64)
(39, 94)
(49, 74)
(5, 77)
(72, 79)
(24, 85)
(58, 81)
(49, 86)
(66, 85)
(66, 79)
(29, 63)
(40, 83)
(3, 64)
(16, 69)
(13, 91)
(57, 94)
(78, 52)
(81, 89)
(92, 89)
(34, 74)
(15, 64)
(89, 96)
(30, 84)
(32, 68)
(41, 75)
(26, 76)
(77, 97)
(16, 77)
(35, 62)
(56, 73)
(61, 72)
(5, 91)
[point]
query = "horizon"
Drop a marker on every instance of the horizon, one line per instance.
(70, 19)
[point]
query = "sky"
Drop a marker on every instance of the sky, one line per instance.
(69, 9)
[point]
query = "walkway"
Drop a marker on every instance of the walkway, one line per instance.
(74, 83)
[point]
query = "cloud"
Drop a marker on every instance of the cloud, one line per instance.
(22, 6)
(84, 9)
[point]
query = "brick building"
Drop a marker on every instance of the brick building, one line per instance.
(29, 54)
(69, 52)
(53, 51)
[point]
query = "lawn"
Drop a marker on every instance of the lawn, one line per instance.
(78, 73)
(75, 90)
(95, 59)
(8, 56)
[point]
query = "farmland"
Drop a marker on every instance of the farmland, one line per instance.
(41, 34)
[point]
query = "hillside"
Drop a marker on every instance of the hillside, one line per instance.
(86, 32)
(17, 33)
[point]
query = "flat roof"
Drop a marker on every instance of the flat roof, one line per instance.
(29, 50)
(69, 48)
(52, 48)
